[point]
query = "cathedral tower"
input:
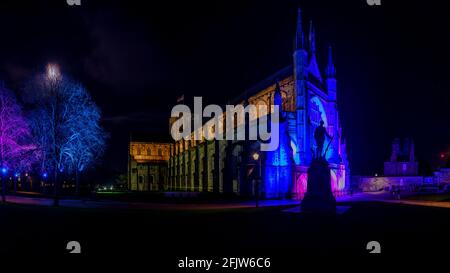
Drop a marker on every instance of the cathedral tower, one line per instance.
(300, 72)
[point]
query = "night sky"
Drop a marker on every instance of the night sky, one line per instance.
(392, 62)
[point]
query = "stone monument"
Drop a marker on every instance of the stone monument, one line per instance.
(319, 197)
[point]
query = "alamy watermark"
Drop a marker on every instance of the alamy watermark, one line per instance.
(228, 125)
(374, 2)
(73, 2)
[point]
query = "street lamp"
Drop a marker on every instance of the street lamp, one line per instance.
(4, 171)
(257, 157)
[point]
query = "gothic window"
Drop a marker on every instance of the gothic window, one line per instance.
(149, 151)
(138, 148)
(317, 112)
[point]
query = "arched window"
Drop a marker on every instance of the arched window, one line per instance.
(138, 149)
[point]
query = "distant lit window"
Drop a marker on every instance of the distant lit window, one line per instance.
(159, 152)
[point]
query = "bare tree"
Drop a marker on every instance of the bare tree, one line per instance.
(65, 122)
(88, 138)
(17, 151)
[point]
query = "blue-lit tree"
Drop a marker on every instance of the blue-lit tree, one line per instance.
(88, 138)
(17, 150)
(65, 123)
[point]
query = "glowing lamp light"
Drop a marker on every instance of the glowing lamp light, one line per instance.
(17, 175)
(255, 156)
(4, 170)
(442, 155)
(53, 72)
(45, 175)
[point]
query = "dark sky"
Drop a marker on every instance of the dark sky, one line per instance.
(392, 61)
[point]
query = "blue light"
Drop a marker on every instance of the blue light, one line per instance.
(17, 175)
(278, 167)
(4, 170)
(44, 175)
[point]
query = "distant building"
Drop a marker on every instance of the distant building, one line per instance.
(402, 161)
(147, 166)
(400, 171)
(442, 176)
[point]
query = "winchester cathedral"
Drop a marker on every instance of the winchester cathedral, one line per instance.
(306, 96)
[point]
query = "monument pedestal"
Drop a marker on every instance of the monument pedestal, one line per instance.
(319, 197)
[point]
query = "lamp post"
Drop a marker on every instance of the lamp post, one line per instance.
(4, 171)
(257, 157)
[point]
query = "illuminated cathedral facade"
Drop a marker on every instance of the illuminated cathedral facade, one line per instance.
(306, 96)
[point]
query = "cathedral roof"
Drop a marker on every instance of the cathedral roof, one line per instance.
(272, 79)
(313, 68)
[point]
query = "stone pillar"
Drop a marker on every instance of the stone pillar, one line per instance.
(205, 166)
(216, 174)
(172, 168)
(244, 187)
(228, 168)
(177, 184)
(197, 167)
(189, 166)
(183, 167)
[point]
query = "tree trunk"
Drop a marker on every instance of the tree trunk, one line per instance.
(55, 189)
(3, 189)
(77, 183)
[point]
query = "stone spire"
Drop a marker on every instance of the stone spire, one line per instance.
(313, 68)
(299, 37)
(312, 38)
(330, 70)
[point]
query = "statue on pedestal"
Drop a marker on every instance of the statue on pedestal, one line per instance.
(319, 197)
(319, 136)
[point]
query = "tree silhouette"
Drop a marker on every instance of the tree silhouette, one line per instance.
(17, 151)
(65, 123)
